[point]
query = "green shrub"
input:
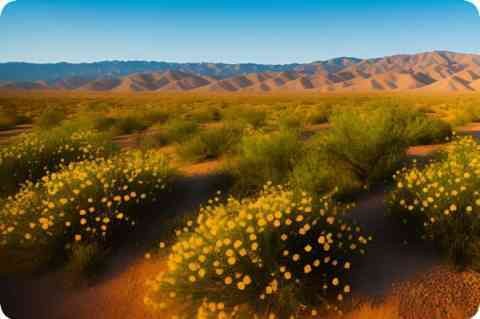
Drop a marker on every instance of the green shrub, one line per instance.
(179, 130)
(206, 115)
(262, 158)
(370, 144)
(313, 174)
(89, 202)
(319, 116)
(441, 202)
(152, 117)
(32, 155)
(271, 256)
(247, 115)
(290, 122)
(421, 129)
(129, 124)
(50, 117)
(210, 144)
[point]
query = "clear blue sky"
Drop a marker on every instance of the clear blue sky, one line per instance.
(263, 31)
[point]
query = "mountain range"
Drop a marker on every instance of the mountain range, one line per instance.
(437, 71)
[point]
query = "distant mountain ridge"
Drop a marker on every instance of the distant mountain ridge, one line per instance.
(439, 71)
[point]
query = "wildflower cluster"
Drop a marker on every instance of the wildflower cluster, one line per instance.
(84, 202)
(442, 200)
(277, 255)
(33, 155)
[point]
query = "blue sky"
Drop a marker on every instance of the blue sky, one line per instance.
(262, 31)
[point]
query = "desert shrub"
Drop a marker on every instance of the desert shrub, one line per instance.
(50, 117)
(129, 124)
(319, 115)
(272, 256)
(103, 123)
(33, 155)
(313, 174)
(210, 144)
(262, 158)
(89, 202)
(441, 201)
(206, 115)
(152, 117)
(179, 130)
(463, 114)
(423, 129)
(290, 121)
(370, 143)
(247, 115)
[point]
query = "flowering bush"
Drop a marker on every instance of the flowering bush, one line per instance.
(33, 155)
(83, 203)
(274, 255)
(441, 202)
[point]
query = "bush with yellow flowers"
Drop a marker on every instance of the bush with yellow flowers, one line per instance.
(441, 201)
(33, 155)
(84, 203)
(278, 255)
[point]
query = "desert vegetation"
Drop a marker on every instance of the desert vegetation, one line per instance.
(440, 202)
(281, 240)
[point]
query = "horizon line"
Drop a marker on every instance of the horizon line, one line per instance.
(233, 63)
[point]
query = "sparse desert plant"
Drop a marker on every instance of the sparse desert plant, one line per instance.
(206, 115)
(90, 202)
(313, 174)
(247, 115)
(210, 144)
(129, 124)
(369, 143)
(275, 255)
(156, 116)
(441, 201)
(291, 122)
(33, 155)
(179, 130)
(50, 117)
(319, 115)
(262, 158)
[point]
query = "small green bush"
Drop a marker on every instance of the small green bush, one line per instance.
(319, 115)
(262, 158)
(313, 174)
(206, 115)
(421, 129)
(370, 144)
(179, 130)
(210, 144)
(247, 115)
(129, 124)
(275, 255)
(50, 117)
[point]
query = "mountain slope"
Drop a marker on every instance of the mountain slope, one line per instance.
(437, 71)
